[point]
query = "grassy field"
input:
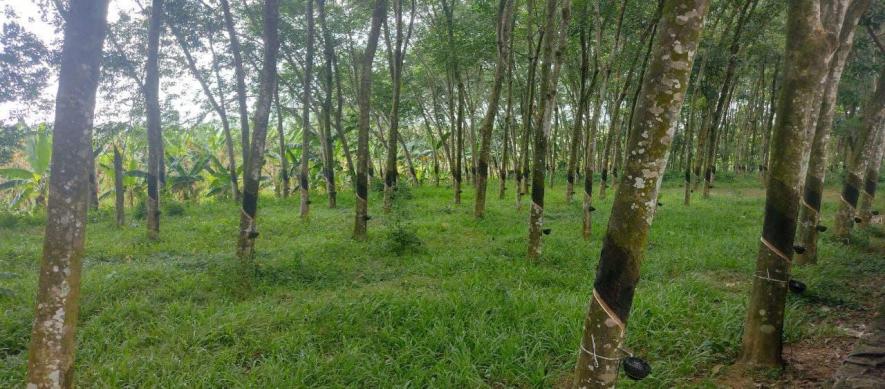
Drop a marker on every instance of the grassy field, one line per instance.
(461, 309)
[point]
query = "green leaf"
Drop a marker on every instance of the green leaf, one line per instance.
(16, 173)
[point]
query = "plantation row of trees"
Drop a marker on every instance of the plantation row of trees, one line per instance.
(350, 94)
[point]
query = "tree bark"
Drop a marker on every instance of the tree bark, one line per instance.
(303, 175)
(504, 25)
(396, 56)
(871, 181)
(252, 173)
(807, 54)
(51, 351)
(364, 102)
(584, 73)
(554, 43)
(649, 141)
(281, 137)
(809, 215)
(154, 130)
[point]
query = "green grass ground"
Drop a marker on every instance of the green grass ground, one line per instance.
(464, 309)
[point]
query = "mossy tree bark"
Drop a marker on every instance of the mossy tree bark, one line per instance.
(648, 145)
(862, 151)
(554, 43)
(809, 46)
(154, 129)
(504, 25)
(364, 104)
(809, 214)
(51, 352)
(240, 75)
(252, 174)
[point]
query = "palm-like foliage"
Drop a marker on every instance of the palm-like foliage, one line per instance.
(28, 184)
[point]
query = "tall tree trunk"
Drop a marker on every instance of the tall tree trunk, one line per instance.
(871, 181)
(119, 192)
(303, 175)
(252, 173)
(650, 137)
(528, 103)
(240, 74)
(339, 129)
(396, 55)
(862, 152)
(281, 137)
(508, 121)
(769, 123)
(807, 54)
(554, 43)
(584, 73)
(93, 181)
(809, 214)
(504, 25)
(51, 352)
(218, 107)
(603, 89)
(328, 150)
(225, 125)
(364, 101)
(154, 130)
(724, 95)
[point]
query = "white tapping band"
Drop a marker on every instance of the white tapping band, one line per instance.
(767, 277)
(775, 250)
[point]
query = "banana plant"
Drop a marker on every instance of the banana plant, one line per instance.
(29, 184)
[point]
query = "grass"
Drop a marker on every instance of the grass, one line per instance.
(460, 308)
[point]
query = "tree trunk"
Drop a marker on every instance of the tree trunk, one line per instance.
(119, 192)
(338, 126)
(724, 95)
(603, 89)
(364, 102)
(154, 130)
(522, 167)
(554, 43)
(649, 141)
(505, 13)
(396, 58)
(240, 74)
(871, 181)
(582, 106)
(809, 215)
(862, 152)
(51, 351)
(328, 150)
(806, 62)
(303, 175)
(281, 136)
(252, 173)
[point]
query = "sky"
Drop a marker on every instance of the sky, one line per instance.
(28, 13)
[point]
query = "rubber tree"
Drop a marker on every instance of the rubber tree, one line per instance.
(554, 42)
(328, 85)
(648, 145)
(396, 56)
(119, 192)
(863, 149)
(252, 173)
(871, 181)
(809, 214)
(603, 88)
(364, 103)
(51, 352)
(504, 26)
(810, 44)
(240, 74)
(581, 110)
(724, 96)
(154, 129)
(303, 174)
